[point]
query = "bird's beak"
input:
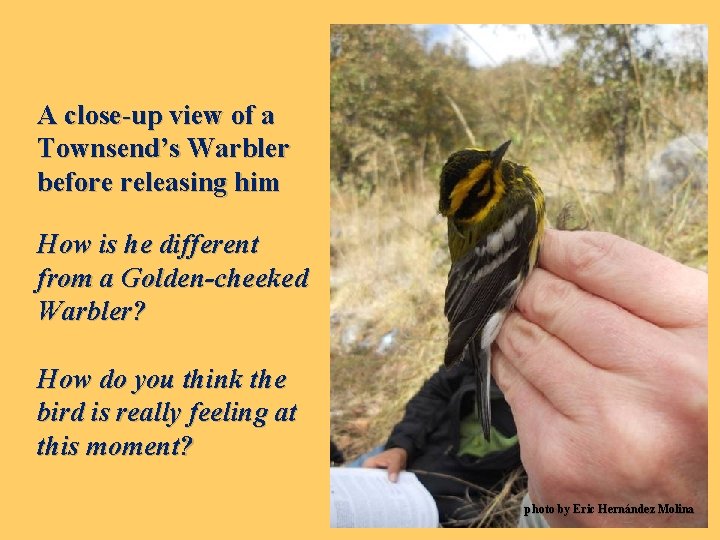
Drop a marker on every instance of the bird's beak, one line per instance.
(498, 153)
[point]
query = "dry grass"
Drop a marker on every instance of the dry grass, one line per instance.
(388, 273)
(499, 508)
(675, 225)
(389, 268)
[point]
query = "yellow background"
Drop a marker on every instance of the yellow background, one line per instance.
(236, 480)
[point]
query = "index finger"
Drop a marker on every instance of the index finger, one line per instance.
(650, 285)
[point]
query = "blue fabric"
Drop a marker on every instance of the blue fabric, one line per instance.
(357, 462)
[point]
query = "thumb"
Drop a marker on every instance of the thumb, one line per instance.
(396, 464)
(394, 467)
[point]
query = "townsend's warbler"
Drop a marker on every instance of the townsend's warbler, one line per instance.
(496, 215)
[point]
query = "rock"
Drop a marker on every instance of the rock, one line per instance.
(684, 158)
(386, 343)
(349, 336)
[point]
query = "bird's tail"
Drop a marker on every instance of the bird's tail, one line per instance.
(481, 362)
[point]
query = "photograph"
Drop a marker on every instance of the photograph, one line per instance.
(518, 275)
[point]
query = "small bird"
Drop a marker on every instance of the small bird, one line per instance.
(496, 217)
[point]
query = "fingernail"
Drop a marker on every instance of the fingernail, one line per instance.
(393, 476)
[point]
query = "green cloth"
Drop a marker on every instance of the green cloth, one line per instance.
(473, 443)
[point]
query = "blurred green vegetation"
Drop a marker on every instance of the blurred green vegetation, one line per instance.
(399, 106)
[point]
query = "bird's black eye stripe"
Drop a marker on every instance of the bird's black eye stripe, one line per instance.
(474, 202)
(456, 169)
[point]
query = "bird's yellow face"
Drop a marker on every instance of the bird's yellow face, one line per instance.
(471, 183)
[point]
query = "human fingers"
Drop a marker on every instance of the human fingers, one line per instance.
(396, 465)
(393, 459)
(598, 330)
(640, 280)
(565, 379)
(531, 409)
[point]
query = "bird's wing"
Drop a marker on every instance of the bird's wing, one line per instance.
(482, 285)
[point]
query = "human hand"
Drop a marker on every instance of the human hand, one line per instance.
(605, 367)
(393, 459)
